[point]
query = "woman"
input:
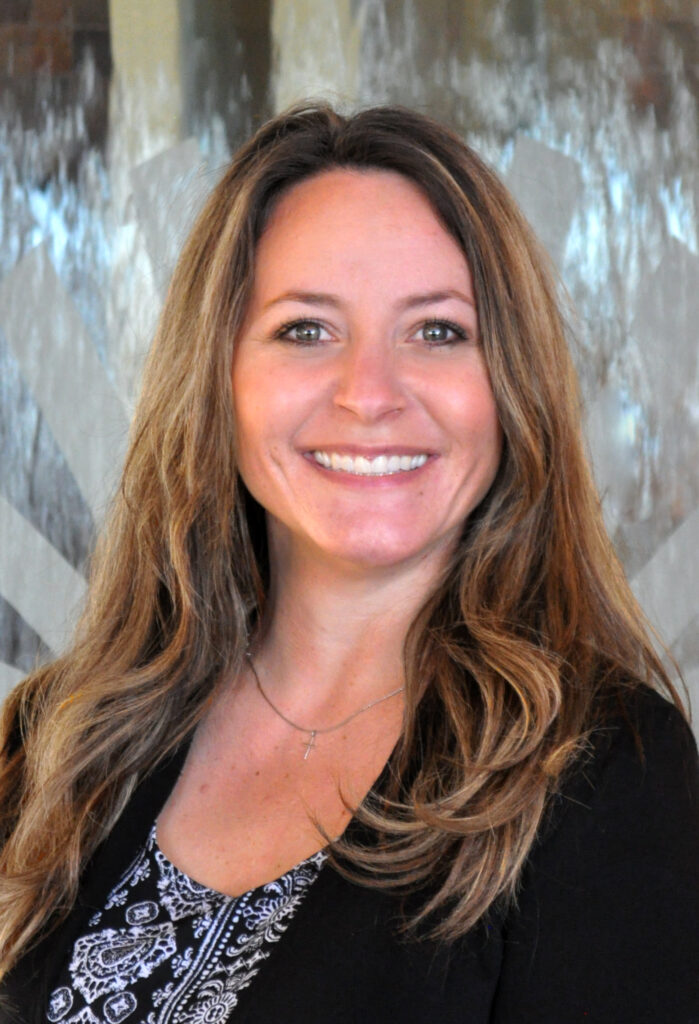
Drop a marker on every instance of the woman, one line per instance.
(356, 645)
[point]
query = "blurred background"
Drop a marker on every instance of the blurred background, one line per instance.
(116, 117)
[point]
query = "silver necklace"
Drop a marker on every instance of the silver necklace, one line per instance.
(312, 733)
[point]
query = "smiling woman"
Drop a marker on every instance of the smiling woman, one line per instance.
(361, 721)
(366, 423)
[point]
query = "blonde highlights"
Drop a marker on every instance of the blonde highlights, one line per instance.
(506, 665)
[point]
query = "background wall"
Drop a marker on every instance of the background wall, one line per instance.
(115, 118)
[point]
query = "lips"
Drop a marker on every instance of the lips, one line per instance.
(377, 465)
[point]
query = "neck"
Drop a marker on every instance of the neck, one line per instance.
(334, 639)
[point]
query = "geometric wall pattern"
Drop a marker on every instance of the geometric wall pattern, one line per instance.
(594, 126)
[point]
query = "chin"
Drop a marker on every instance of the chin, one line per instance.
(375, 553)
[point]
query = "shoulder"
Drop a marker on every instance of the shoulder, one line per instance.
(25, 990)
(607, 911)
(640, 753)
(637, 782)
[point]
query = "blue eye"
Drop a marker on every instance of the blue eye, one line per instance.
(301, 332)
(442, 332)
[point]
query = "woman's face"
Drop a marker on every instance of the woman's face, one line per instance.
(366, 422)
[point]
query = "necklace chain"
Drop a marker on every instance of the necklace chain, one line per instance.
(312, 733)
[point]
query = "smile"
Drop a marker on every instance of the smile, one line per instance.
(360, 465)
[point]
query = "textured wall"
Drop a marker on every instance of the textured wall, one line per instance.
(590, 112)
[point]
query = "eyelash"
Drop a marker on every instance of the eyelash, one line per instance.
(281, 332)
(459, 332)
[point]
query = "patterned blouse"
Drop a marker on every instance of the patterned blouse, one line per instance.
(167, 950)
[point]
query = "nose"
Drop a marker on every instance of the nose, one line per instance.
(369, 384)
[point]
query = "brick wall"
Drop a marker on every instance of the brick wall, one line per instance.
(52, 35)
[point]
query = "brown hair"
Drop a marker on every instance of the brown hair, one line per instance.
(504, 663)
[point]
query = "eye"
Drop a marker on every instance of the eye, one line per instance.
(302, 332)
(442, 332)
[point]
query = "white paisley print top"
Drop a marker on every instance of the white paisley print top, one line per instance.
(167, 950)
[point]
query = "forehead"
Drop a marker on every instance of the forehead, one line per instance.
(340, 186)
(343, 220)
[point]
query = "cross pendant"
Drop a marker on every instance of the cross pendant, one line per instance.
(310, 745)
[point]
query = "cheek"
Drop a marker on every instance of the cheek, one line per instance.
(495, 444)
(261, 455)
(248, 412)
(487, 423)
(492, 447)
(254, 393)
(478, 434)
(474, 415)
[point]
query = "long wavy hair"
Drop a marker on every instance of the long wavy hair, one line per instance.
(506, 660)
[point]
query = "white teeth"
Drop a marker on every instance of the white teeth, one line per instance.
(360, 465)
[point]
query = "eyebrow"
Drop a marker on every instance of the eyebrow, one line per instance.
(410, 302)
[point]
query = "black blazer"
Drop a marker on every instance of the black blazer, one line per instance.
(604, 932)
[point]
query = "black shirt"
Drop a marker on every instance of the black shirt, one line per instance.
(604, 930)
